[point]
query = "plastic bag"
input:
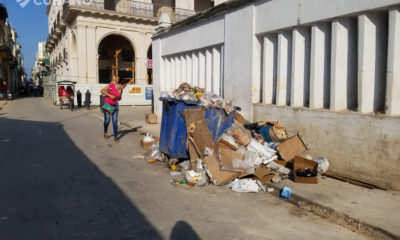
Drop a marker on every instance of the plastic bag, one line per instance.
(196, 177)
(155, 153)
(263, 150)
(148, 138)
(323, 164)
(244, 185)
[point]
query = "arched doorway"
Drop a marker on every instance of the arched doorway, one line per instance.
(150, 65)
(116, 59)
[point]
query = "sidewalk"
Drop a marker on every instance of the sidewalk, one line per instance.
(371, 210)
(375, 208)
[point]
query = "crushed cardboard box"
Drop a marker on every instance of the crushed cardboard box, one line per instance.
(299, 163)
(242, 136)
(151, 118)
(217, 176)
(292, 147)
(226, 158)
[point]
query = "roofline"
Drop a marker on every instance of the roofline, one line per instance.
(213, 12)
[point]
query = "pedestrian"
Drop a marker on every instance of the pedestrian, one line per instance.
(113, 93)
(4, 89)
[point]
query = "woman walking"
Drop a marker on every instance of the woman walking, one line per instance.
(113, 93)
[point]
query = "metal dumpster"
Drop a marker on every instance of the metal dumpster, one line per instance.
(173, 136)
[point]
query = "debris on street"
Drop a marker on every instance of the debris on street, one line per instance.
(206, 139)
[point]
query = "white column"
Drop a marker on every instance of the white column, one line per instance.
(216, 70)
(173, 73)
(282, 68)
(298, 65)
(189, 78)
(202, 69)
(162, 78)
(195, 69)
(209, 64)
(393, 64)
(168, 74)
(82, 53)
(183, 69)
(91, 55)
(318, 66)
(178, 72)
(269, 58)
(367, 43)
(339, 65)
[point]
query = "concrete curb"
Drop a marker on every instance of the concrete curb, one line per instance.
(338, 218)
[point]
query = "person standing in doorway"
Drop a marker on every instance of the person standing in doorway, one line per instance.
(4, 89)
(113, 93)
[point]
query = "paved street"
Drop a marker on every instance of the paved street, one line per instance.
(61, 180)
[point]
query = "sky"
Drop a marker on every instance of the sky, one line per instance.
(30, 22)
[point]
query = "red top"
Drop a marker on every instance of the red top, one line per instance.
(4, 87)
(113, 91)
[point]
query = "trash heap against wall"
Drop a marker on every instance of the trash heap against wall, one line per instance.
(244, 156)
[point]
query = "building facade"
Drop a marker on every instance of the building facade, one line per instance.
(95, 42)
(11, 60)
(40, 67)
(329, 69)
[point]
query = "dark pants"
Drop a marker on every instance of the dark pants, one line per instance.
(114, 118)
(5, 94)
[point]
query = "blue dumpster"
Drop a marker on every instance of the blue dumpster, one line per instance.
(173, 137)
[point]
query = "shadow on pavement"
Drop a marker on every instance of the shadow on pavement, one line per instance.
(124, 132)
(183, 231)
(51, 190)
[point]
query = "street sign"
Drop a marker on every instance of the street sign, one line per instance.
(149, 93)
(149, 63)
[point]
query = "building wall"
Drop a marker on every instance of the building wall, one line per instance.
(330, 69)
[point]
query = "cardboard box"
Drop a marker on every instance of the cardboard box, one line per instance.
(265, 175)
(226, 158)
(151, 118)
(242, 136)
(239, 118)
(222, 142)
(217, 176)
(148, 145)
(292, 147)
(300, 162)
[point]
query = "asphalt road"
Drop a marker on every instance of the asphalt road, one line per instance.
(59, 179)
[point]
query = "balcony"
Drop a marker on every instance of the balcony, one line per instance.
(131, 7)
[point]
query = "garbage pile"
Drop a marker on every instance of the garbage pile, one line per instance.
(246, 156)
(188, 93)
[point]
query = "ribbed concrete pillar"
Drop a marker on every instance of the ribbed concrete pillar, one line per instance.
(269, 71)
(195, 69)
(183, 68)
(173, 73)
(282, 68)
(202, 69)
(370, 70)
(393, 64)
(319, 68)
(339, 65)
(216, 70)
(298, 65)
(178, 73)
(189, 68)
(168, 74)
(209, 63)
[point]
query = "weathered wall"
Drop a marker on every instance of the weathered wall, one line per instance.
(319, 54)
(365, 147)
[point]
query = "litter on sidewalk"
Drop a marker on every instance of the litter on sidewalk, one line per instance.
(207, 140)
